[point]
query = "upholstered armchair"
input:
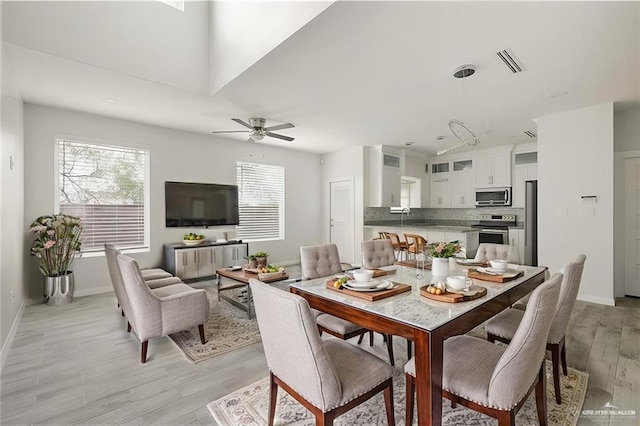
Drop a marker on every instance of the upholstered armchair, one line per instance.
(328, 377)
(163, 311)
(491, 251)
(503, 326)
(494, 380)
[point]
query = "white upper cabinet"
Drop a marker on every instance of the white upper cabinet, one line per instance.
(440, 185)
(383, 177)
(525, 168)
(493, 170)
(462, 184)
(415, 183)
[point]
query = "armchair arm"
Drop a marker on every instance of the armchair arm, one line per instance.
(184, 310)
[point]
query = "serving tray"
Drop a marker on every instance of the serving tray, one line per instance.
(475, 291)
(509, 275)
(411, 263)
(371, 296)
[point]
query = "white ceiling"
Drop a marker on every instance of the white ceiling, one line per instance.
(359, 73)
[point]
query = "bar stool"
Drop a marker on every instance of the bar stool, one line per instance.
(399, 247)
(415, 244)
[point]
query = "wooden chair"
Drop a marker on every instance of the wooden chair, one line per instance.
(493, 380)
(400, 247)
(415, 244)
(503, 326)
(317, 373)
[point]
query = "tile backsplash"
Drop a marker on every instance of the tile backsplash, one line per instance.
(437, 215)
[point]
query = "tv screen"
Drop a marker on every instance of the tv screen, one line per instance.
(200, 204)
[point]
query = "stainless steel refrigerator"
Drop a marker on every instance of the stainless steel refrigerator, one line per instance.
(531, 223)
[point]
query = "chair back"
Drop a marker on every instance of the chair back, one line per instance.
(568, 294)
(395, 240)
(417, 243)
(377, 253)
(319, 261)
(518, 366)
(293, 347)
(491, 251)
(143, 311)
(111, 253)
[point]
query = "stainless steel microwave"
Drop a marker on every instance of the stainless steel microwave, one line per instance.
(492, 197)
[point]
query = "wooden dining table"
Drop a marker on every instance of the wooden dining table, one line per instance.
(428, 323)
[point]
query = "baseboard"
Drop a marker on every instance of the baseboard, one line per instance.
(92, 291)
(596, 299)
(12, 333)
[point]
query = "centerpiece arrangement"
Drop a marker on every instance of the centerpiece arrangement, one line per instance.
(440, 254)
(56, 245)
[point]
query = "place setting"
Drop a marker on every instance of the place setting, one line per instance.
(364, 286)
(497, 271)
(453, 289)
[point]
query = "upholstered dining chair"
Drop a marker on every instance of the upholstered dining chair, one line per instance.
(492, 379)
(155, 278)
(328, 377)
(491, 251)
(503, 326)
(415, 243)
(323, 261)
(377, 253)
(163, 311)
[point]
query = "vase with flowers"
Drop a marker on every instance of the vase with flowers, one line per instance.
(440, 254)
(56, 245)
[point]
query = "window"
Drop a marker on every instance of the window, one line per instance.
(261, 201)
(106, 186)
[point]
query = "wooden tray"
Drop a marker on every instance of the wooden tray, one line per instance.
(411, 263)
(511, 274)
(454, 297)
(378, 272)
(371, 296)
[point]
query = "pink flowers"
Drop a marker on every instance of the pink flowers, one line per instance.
(49, 244)
(57, 239)
(443, 249)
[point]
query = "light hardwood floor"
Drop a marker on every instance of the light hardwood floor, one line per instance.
(76, 364)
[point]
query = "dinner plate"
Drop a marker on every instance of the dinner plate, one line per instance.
(388, 268)
(468, 261)
(385, 285)
(363, 284)
(492, 271)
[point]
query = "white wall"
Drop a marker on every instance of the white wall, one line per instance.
(145, 39)
(627, 130)
(176, 156)
(575, 158)
(348, 162)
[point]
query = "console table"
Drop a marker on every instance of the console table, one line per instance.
(201, 261)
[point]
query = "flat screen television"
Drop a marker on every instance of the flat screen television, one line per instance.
(200, 204)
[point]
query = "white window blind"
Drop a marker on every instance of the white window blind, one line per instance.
(261, 201)
(105, 186)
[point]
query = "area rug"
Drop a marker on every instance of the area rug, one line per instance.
(227, 329)
(249, 406)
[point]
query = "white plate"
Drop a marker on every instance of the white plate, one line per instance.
(388, 268)
(384, 285)
(363, 284)
(492, 271)
(468, 262)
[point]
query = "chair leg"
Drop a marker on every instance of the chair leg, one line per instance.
(201, 330)
(388, 403)
(360, 338)
(563, 358)
(143, 353)
(555, 360)
(410, 391)
(325, 419)
(273, 398)
(541, 396)
(506, 418)
(370, 338)
(128, 327)
(491, 338)
(122, 312)
(389, 341)
(409, 349)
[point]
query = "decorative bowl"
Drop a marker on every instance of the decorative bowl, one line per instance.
(362, 275)
(457, 282)
(193, 242)
(498, 264)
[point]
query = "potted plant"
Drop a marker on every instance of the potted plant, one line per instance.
(253, 263)
(261, 258)
(56, 244)
(440, 253)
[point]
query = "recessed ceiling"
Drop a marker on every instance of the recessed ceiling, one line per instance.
(359, 73)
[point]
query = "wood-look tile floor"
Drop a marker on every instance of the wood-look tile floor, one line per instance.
(76, 364)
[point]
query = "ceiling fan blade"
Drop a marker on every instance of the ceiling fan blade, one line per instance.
(283, 137)
(244, 123)
(279, 127)
(232, 131)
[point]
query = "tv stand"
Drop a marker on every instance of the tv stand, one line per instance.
(201, 261)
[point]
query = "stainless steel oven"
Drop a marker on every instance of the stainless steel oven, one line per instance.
(494, 228)
(496, 236)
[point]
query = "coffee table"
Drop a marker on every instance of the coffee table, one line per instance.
(240, 279)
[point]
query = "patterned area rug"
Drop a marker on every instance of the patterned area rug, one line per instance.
(228, 329)
(249, 406)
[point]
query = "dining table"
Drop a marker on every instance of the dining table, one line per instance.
(426, 322)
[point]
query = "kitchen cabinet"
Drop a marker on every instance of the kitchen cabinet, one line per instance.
(516, 241)
(521, 174)
(415, 183)
(462, 184)
(188, 263)
(493, 170)
(440, 194)
(383, 177)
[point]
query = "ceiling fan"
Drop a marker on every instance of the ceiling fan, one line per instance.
(257, 130)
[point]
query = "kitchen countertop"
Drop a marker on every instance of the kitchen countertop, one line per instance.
(421, 225)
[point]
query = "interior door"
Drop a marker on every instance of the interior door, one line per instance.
(632, 227)
(341, 218)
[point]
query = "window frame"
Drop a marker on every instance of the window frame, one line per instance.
(146, 245)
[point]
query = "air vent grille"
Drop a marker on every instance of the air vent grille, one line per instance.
(530, 133)
(510, 60)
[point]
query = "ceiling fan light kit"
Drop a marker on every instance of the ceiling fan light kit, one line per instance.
(257, 130)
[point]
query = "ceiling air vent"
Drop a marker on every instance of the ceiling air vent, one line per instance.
(530, 133)
(510, 60)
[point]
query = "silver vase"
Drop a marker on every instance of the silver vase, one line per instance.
(59, 290)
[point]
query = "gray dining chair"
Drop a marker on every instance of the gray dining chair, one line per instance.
(377, 253)
(328, 377)
(162, 311)
(503, 326)
(494, 380)
(491, 251)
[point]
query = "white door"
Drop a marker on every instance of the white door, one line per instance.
(632, 227)
(341, 219)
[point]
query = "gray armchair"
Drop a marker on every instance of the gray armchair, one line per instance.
(494, 380)
(503, 326)
(163, 311)
(491, 251)
(327, 377)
